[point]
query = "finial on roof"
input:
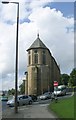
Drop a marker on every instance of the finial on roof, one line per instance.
(37, 35)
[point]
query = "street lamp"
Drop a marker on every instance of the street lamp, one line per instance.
(16, 64)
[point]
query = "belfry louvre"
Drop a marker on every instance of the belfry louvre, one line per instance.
(42, 69)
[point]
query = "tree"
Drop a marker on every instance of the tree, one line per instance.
(72, 79)
(11, 91)
(65, 79)
(22, 87)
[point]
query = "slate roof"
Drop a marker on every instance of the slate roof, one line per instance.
(37, 44)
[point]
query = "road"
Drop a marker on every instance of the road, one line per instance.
(36, 110)
(4, 106)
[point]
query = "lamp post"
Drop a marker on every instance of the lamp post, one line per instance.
(26, 83)
(16, 64)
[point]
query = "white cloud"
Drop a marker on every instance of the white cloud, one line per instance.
(53, 26)
(64, 1)
(8, 11)
(7, 48)
(53, 31)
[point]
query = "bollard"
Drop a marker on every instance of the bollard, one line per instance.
(56, 98)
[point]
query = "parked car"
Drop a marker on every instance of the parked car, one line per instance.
(21, 100)
(4, 98)
(34, 97)
(46, 95)
(60, 90)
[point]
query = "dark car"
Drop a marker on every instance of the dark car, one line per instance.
(4, 98)
(34, 97)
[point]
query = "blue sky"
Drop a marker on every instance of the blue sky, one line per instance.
(67, 8)
(55, 29)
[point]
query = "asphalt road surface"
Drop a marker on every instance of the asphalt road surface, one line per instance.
(4, 105)
(29, 111)
(36, 110)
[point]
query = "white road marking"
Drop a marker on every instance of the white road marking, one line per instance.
(23, 108)
(12, 107)
(44, 105)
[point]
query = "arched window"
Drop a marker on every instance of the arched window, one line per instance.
(43, 57)
(35, 56)
(29, 58)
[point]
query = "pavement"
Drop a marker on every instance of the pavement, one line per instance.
(30, 111)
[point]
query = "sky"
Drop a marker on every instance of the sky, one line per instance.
(55, 22)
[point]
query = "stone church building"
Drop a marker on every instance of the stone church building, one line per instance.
(42, 69)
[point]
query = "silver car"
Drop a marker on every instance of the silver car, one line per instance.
(46, 95)
(21, 100)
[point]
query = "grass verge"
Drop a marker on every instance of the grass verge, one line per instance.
(64, 108)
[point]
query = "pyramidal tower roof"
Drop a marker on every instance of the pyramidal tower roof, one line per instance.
(37, 44)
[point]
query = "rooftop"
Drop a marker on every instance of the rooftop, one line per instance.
(37, 44)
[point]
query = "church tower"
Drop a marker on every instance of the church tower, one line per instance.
(41, 67)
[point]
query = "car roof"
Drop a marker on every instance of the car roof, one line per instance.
(61, 86)
(22, 95)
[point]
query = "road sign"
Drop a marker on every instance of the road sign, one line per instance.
(55, 83)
